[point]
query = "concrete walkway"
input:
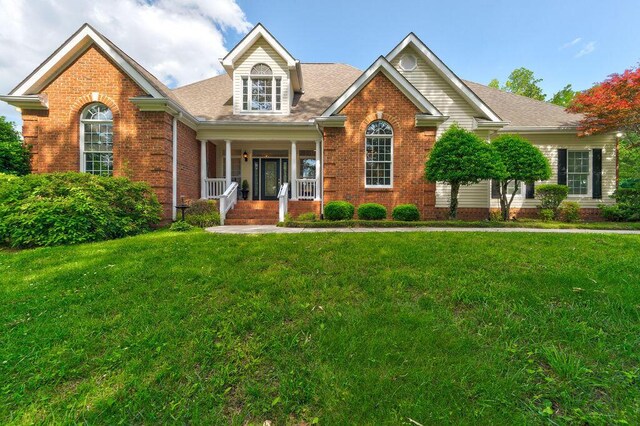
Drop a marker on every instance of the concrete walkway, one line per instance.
(272, 229)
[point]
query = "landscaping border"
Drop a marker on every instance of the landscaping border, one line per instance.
(459, 224)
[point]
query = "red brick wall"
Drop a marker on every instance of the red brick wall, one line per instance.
(142, 140)
(188, 163)
(344, 151)
(296, 208)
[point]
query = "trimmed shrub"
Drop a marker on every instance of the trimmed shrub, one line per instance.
(339, 210)
(71, 208)
(570, 211)
(202, 213)
(551, 196)
(372, 211)
(181, 226)
(406, 213)
(546, 215)
(307, 217)
(627, 207)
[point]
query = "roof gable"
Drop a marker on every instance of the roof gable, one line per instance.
(77, 44)
(381, 65)
(446, 73)
(258, 32)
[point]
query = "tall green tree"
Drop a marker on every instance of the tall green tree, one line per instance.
(521, 81)
(15, 157)
(460, 157)
(564, 96)
(523, 163)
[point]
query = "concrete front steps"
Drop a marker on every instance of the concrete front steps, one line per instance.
(248, 212)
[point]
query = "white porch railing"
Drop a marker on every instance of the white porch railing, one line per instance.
(283, 201)
(228, 200)
(306, 189)
(214, 187)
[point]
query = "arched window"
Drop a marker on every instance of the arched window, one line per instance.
(261, 91)
(96, 140)
(379, 155)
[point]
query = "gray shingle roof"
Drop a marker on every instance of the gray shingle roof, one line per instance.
(523, 111)
(211, 99)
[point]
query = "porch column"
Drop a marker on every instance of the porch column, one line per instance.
(294, 171)
(227, 160)
(203, 169)
(318, 169)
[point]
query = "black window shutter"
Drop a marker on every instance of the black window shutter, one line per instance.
(562, 166)
(531, 190)
(597, 173)
(495, 190)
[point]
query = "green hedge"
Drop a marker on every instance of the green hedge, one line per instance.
(203, 214)
(406, 213)
(627, 207)
(372, 211)
(70, 208)
(338, 210)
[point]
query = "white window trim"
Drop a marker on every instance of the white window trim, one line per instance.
(589, 193)
(391, 136)
(83, 165)
(249, 78)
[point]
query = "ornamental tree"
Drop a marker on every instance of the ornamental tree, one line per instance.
(522, 162)
(460, 157)
(14, 156)
(612, 105)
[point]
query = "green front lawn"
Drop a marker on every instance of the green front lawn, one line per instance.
(473, 328)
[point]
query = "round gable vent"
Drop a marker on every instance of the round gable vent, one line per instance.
(408, 62)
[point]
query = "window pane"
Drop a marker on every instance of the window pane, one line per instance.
(99, 164)
(578, 172)
(308, 168)
(245, 94)
(261, 94)
(278, 94)
(378, 160)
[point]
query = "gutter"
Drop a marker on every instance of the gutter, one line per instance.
(540, 129)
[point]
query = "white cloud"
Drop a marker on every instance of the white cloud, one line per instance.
(587, 49)
(571, 43)
(179, 41)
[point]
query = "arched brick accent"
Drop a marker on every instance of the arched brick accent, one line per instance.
(390, 118)
(81, 102)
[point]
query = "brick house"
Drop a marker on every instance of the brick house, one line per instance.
(300, 134)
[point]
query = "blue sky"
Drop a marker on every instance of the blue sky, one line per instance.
(562, 41)
(478, 40)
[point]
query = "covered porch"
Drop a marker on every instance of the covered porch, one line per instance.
(266, 166)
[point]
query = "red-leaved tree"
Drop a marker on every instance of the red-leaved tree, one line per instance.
(611, 105)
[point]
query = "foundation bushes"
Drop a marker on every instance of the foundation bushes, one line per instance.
(339, 210)
(627, 207)
(70, 208)
(202, 213)
(406, 213)
(307, 217)
(372, 211)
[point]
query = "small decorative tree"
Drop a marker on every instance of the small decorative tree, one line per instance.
(15, 157)
(522, 162)
(460, 157)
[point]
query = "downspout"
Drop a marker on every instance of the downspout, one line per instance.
(321, 183)
(174, 168)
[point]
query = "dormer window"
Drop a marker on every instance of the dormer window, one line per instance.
(261, 91)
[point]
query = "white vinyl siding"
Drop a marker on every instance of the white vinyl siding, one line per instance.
(479, 196)
(261, 52)
(438, 91)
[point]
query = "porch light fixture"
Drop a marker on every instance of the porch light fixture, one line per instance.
(245, 156)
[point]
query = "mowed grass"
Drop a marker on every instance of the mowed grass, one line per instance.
(440, 328)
